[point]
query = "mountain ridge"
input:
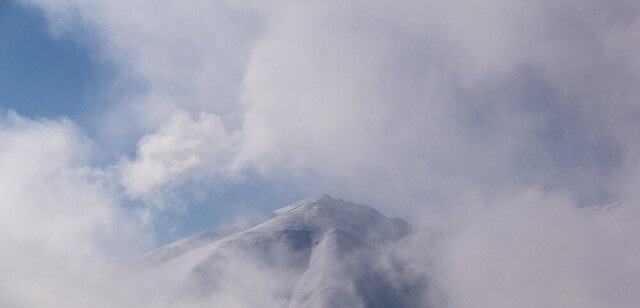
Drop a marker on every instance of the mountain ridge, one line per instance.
(319, 252)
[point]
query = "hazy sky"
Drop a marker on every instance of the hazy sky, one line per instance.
(151, 120)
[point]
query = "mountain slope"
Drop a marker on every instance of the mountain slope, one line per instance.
(320, 252)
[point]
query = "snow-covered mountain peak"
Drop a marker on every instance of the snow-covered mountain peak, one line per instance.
(321, 252)
(322, 213)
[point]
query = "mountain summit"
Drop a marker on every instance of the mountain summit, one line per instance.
(320, 252)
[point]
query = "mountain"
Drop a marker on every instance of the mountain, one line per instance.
(320, 252)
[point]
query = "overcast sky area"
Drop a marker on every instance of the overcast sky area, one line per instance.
(125, 125)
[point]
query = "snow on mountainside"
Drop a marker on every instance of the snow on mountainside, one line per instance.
(320, 252)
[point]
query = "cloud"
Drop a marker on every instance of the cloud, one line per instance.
(167, 55)
(180, 150)
(402, 97)
(394, 101)
(59, 220)
(539, 249)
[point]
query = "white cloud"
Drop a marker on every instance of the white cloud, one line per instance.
(406, 97)
(187, 56)
(539, 249)
(423, 99)
(180, 150)
(58, 220)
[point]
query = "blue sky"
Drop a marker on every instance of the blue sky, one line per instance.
(41, 76)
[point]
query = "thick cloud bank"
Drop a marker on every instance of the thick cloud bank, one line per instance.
(58, 218)
(539, 250)
(426, 99)
(506, 119)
